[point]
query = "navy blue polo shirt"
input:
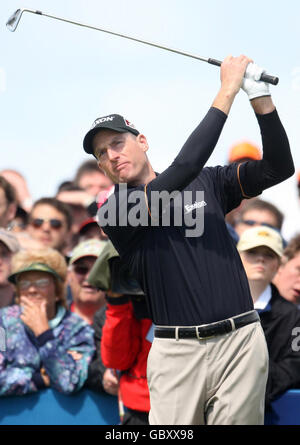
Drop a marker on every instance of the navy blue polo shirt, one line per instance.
(193, 280)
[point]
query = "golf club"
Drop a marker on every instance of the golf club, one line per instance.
(14, 20)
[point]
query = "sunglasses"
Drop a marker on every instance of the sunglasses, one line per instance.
(81, 270)
(40, 283)
(54, 223)
(251, 222)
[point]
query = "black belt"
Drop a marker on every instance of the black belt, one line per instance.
(208, 330)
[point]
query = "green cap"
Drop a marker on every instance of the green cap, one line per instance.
(40, 267)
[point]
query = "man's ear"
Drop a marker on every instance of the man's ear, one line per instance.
(11, 211)
(101, 168)
(282, 262)
(142, 140)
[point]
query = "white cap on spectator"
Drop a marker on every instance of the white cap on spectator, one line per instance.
(9, 240)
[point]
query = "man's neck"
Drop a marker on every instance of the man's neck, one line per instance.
(146, 176)
(257, 288)
(86, 310)
(6, 295)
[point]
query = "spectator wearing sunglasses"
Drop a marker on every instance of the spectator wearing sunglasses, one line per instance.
(259, 213)
(46, 345)
(86, 299)
(50, 222)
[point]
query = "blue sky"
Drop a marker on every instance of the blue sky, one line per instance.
(56, 78)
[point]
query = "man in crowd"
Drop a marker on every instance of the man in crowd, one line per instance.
(287, 279)
(240, 152)
(8, 202)
(50, 223)
(90, 229)
(197, 371)
(8, 246)
(87, 299)
(83, 191)
(20, 185)
(91, 179)
(257, 212)
(261, 249)
(244, 151)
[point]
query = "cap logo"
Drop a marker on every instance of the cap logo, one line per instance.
(264, 234)
(101, 120)
(129, 124)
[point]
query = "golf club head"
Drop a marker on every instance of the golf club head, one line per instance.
(13, 21)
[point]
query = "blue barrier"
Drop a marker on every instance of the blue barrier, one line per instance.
(49, 407)
(285, 409)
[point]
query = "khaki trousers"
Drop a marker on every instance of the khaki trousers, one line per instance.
(217, 381)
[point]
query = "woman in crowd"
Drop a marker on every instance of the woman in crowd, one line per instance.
(46, 345)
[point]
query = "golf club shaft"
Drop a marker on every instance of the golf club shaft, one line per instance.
(264, 77)
(156, 45)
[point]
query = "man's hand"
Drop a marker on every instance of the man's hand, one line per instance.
(45, 377)
(110, 382)
(251, 83)
(75, 355)
(34, 315)
(232, 75)
(76, 197)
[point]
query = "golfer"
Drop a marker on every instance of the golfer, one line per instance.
(208, 363)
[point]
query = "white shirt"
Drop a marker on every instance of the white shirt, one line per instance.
(264, 299)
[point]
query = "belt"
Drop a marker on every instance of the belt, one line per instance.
(207, 330)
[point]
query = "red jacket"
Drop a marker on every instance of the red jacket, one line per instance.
(124, 347)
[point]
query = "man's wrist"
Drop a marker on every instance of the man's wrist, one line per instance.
(224, 100)
(41, 331)
(263, 105)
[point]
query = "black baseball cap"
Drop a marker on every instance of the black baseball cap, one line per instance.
(112, 122)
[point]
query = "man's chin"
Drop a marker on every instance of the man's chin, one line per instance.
(89, 297)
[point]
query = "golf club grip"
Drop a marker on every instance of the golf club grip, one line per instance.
(269, 79)
(264, 77)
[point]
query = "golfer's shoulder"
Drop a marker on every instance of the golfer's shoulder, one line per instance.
(221, 172)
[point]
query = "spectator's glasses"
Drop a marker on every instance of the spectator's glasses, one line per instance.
(81, 270)
(54, 223)
(252, 222)
(41, 283)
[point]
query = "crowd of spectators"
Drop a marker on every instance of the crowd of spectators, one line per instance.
(67, 332)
